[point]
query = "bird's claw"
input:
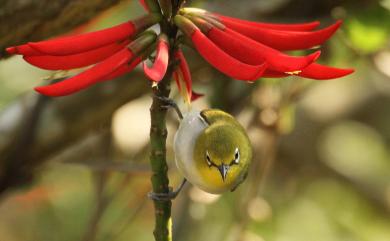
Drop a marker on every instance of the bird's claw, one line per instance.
(167, 196)
(163, 196)
(169, 103)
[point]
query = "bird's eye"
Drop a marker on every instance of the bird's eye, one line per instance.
(208, 159)
(236, 157)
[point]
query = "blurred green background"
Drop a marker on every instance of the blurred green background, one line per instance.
(321, 167)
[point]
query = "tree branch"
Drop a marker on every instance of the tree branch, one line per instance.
(30, 20)
(58, 125)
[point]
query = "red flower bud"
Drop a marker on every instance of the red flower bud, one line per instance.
(123, 69)
(251, 52)
(88, 77)
(285, 40)
(178, 76)
(225, 19)
(314, 71)
(74, 61)
(183, 72)
(160, 65)
(217, 57)
(100, 71)
(81, 43)
(179, 79)
(289, 27)
(24, 49)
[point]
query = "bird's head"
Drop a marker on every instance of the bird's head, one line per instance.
(222, 153)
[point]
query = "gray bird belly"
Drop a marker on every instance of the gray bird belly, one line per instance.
(190, 128)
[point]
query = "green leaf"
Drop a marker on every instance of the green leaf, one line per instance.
(368, 30)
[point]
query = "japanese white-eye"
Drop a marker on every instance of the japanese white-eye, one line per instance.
(212, 150)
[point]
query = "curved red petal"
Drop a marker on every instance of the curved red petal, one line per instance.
(195, 95)
(84, 42)
(285, 40)
(177, 79)
(123, 69)
(314, 71)
(185, 70)
(188, 96)
(252, 52)
(160, 65)
(289, 27)
(24, 49)
(89, 77)
(11, 50)
(74, 61)
(322, 72)
(223, 61)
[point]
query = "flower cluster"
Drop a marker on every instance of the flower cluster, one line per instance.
(241, 49)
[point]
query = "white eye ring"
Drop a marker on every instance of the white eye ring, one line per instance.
(236, 156)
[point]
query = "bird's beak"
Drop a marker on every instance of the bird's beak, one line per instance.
(224, 169)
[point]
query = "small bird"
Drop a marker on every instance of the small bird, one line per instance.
(212, 150)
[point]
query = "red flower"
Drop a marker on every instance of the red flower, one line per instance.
(183, 74)
(255, 43)
(160, 66)
(241, 49)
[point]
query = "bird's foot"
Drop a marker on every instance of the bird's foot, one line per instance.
(169, 103)
(167, 196)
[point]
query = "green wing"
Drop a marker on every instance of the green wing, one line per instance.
(212, 116)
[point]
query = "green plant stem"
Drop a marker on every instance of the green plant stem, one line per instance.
(158, 135)
(160, 181)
